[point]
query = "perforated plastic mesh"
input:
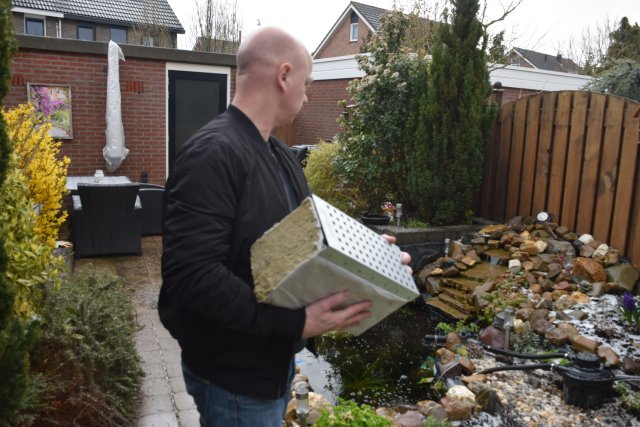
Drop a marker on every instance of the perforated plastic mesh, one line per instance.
(361, 246)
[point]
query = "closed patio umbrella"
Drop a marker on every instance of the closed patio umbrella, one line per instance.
(114, 152)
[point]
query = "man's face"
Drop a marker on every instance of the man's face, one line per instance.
(300, 81)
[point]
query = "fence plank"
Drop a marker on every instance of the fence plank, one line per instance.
(608, 176)
(569, 213)
(529, 160)
(515, 164)
(490, 168)
(543, 158)
(504, 153)
(628, 166)
(632, 251)
(559, 155)
(592, 150)
(585, 148)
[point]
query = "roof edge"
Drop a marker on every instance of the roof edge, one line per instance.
(54, 44)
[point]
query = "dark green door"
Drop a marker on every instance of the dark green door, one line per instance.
(194, 99)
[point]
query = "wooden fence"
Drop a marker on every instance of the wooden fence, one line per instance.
(573, 154)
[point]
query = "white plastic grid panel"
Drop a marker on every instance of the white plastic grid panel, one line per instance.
(362, 245)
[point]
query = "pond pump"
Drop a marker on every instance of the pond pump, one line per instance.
(585, 382)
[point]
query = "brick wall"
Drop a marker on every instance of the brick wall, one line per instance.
(317, 119)
(143, 113)
(143, 89)
(513, 94)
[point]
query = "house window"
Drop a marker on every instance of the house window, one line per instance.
(34, 26)
(119, 35)
(515, 62)
(353, 29)
(148, 41)
(86, 32)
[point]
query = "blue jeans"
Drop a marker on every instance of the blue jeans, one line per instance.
(219, 407)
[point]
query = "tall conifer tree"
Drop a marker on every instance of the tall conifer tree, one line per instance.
(458, 116)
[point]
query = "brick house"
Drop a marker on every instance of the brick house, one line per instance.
(166, 94)
(143, 22)
(334, 66)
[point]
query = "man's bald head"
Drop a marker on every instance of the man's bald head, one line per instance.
(274, 71)
(268, 47)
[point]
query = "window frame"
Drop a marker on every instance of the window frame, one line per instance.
(354, 27)
(126, 33)
(148, 41)
(86, 26)
(34, 18)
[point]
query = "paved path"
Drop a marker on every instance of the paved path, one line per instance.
(165, 402)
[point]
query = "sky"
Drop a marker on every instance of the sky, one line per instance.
(541, 25)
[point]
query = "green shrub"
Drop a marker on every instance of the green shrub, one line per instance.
(325, 182)
(374, 137)
(348, 414)
(14, 333)
(31, 264)
(89, 367)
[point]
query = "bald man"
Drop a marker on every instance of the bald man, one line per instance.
(231, 183)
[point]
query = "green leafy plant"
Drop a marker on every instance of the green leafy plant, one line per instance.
(348, 414)
(324, 180)
(415, 223)
(444, 327)
(85, 354)
(630, 399)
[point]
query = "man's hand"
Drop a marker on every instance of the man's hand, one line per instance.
(323, 315)
(405, 258)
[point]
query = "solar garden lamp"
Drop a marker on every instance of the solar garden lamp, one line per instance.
(398, 212)
(302, 402)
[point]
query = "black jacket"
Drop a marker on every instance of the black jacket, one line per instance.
(225, 192)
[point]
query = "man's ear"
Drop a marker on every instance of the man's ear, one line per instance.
(284, 72)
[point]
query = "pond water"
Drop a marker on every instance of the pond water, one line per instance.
(381, 367)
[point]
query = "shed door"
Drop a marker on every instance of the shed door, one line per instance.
(194, 99)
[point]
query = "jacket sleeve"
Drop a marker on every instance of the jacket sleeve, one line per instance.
(201, 202)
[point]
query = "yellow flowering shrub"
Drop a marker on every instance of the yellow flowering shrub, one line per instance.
(37, 157)
(31, 214)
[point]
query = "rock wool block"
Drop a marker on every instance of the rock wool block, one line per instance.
(317, 251)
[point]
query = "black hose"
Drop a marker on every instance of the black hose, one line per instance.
(528, 367)
(626, 378)
(525, 355)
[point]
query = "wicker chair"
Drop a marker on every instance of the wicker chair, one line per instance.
(151, 198)
(106, 220)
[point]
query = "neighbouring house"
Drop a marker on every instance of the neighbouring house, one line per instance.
(356, 25)
(139, 22)
(334, 66)
(166, 93)
(519, 57)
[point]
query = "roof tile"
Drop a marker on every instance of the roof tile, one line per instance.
(123, 11)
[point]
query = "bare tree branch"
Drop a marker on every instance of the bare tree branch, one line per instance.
(216, 26)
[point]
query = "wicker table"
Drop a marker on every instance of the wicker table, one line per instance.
(72, 181)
